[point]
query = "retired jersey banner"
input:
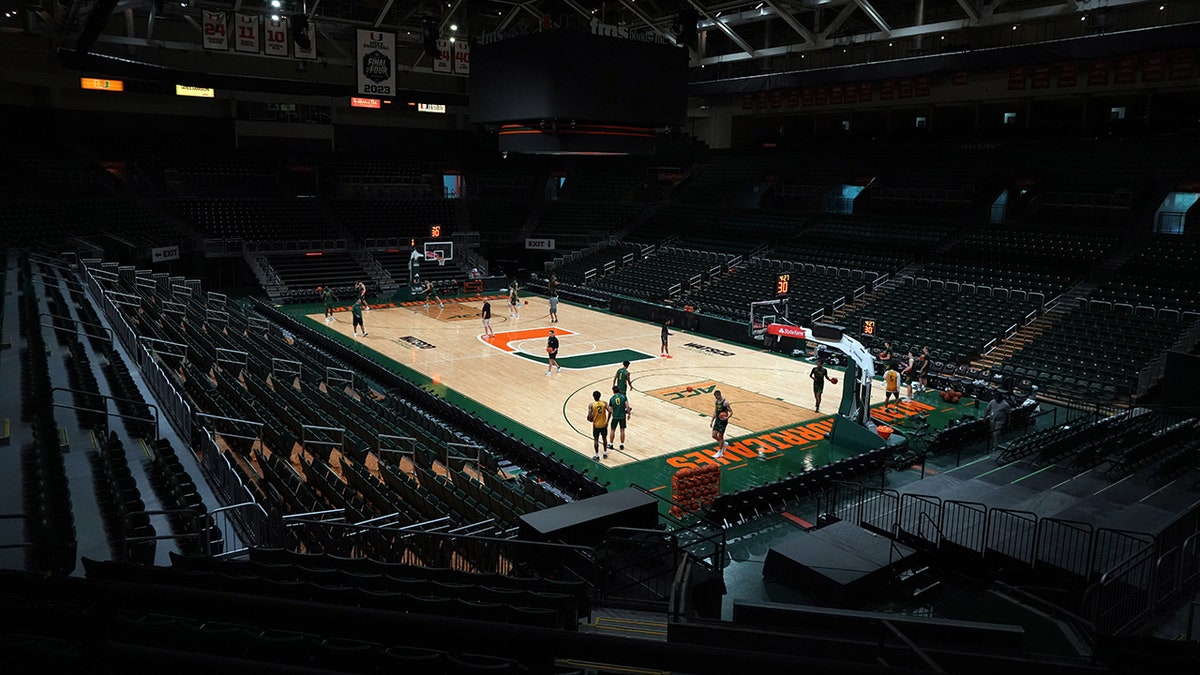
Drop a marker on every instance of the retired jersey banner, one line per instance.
(1068, 74)
(216, 30)
(275, 37)
(1154, 67)
(376, 62)
(311, 51)
(246, 38)
(462, 57)
(441, 63)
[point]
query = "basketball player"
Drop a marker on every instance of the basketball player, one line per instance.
(891, 388)
(621, 379)
(819, 375)
(552, 351)
(431, 291)
(553, 306)
(514, 301)
(361, 288)
(619, 412)
(598, 416)
(488, 333)
(720, 420)
(328, 305)
(414, 263)
(923, 369)
(909, 369)
(885, 356)
(356, 310)
(666, 353)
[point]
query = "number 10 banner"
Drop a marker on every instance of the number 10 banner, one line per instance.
(376, 63)
(275, 37)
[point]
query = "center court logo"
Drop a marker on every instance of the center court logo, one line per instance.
(511, 342)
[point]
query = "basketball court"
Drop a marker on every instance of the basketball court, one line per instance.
(504, 379)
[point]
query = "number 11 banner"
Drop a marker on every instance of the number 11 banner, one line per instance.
(246, 37)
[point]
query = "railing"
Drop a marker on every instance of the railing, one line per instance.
(242, 526)
(1012, 533)
(1134, 579)
(639, 566)
(1083, 629)
(221, 475)
(170, 400)
(1066, 545)
(964, 524)
(468, 553)
(1122, 597)
(880, 512)
(915, 511)
(1116, 546)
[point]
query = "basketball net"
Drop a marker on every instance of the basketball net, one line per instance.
(436, 256)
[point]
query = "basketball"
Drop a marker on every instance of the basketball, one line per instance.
(833, 380)
(527, 302)
(689, 388)
(549, 350)
(724, 415)
(319, 289)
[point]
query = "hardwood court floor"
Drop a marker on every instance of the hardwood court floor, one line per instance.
(508, 373)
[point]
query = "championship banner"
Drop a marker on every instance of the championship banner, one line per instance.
(246, 38)
(1125, 71)
(1068, 74)
(216, 30)
(1098, 73)
(1016, 78)
(310, 53)
(275, 37)
(1154, 67)
(441, 63)
(1041, 77)
(1181, 65)
(462, 57)
(376, 62)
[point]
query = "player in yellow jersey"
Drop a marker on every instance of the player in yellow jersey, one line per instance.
(891, 387)
(598, 415)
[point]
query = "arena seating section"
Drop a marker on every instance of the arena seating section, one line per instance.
(915, 249)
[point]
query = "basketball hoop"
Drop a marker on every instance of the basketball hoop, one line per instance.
(436, 256)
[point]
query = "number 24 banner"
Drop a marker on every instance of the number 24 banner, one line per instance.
(216, 30)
